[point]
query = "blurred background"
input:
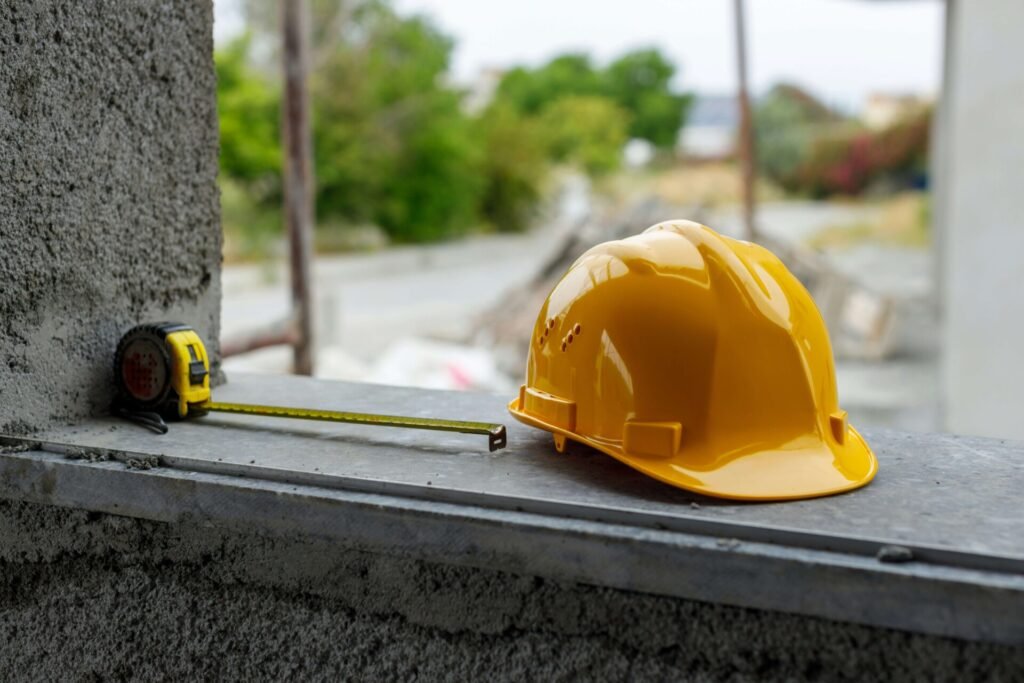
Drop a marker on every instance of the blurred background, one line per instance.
(464, 153)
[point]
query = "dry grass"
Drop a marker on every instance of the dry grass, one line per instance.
(904, 221)
(708, 185)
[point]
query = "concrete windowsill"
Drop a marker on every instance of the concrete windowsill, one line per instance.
(953, 502)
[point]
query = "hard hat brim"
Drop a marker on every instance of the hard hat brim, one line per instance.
(806, 468)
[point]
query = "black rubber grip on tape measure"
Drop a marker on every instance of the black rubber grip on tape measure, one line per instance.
(165, 401)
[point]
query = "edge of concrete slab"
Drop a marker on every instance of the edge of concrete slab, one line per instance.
(938, 600)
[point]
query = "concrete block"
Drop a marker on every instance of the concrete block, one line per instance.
(109, 208)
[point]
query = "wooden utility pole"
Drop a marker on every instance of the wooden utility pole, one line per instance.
(298, 174)
(747, 153)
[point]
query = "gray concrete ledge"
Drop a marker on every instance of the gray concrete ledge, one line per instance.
(90, 596)
(579, 518)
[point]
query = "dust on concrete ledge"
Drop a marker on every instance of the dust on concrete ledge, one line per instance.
(142, 462)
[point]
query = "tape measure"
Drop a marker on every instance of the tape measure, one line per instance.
(161, 370)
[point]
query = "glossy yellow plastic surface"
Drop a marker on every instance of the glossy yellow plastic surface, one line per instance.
(185, 348)
(698, 360)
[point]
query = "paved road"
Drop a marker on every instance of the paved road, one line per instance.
(365, 301)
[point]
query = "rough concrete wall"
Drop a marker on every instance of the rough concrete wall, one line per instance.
(109, 211)
(96, 597)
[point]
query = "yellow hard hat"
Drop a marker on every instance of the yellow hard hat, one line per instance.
(698, 360)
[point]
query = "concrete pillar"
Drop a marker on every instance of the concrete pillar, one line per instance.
(109, 209)
(980, 216)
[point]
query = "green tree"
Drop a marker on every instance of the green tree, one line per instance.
(392, 143)
(587, 130)
(530, 91)
(641, 83)
(248, 108)
(435, 189)
(787, 121)
(514, 167)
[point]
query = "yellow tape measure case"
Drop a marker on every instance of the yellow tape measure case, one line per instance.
(162, 368)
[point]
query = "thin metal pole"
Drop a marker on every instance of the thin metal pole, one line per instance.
(747, 152)
(298, 174)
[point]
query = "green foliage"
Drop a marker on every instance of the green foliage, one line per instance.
(587, 130)
(638, 82)
(786, 122)
(250, 153)
(393, 146)
(434, 190)
(514, 167)
(248, 107)
(531, 91)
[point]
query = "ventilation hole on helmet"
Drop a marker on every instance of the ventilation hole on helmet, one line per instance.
(569, 338)
(577, 329)
(563, 346)
(551, 323)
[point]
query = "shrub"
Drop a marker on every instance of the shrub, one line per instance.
(588, 131)
(853, 160)
(513, 167)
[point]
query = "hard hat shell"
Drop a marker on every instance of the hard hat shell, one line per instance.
(698, 360)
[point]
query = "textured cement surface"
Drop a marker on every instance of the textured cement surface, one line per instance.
(87, 596)
(109, 210)
(922, 477)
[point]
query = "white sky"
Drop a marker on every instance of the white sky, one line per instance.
(841, 49)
